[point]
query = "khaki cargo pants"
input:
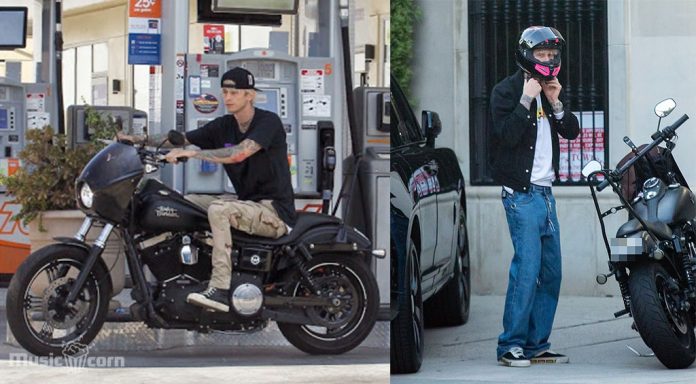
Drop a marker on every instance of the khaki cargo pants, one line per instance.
(254, 218)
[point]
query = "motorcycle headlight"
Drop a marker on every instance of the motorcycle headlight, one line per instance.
(86, 195)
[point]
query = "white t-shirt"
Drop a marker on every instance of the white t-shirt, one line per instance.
(542, 169)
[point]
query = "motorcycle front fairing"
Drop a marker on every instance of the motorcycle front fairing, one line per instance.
(112, 176)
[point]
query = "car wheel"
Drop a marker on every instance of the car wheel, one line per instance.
(407, 327)
(450, 306)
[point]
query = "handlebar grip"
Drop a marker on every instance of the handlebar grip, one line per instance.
(603, 185)
(669, 131)
(679, 122)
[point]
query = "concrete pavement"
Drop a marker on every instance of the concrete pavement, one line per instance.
(584, 329)
(276, 363)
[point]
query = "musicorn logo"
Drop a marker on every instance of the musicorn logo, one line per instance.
(75, 356)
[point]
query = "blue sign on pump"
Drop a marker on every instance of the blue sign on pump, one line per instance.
(144, 49)
(3, 119)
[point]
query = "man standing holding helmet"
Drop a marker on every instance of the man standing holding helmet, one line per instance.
(528, 115)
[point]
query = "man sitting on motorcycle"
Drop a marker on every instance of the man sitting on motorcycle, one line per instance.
(251, 145)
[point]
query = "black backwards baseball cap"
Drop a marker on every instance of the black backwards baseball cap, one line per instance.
(238, 78)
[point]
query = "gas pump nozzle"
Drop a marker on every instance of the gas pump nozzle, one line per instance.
(329, 159)
(327, 154)
(328, 165)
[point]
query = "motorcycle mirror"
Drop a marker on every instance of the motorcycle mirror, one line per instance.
(176, 138)
(592, 166)
(665, 107)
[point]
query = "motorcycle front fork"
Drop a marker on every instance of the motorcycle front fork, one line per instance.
(622, 279)
(94, 254)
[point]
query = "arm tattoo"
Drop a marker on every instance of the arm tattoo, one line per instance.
(230, 155)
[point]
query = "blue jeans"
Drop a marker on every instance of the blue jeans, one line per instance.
(535, 271)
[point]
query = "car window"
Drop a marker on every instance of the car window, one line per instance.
(407, 128)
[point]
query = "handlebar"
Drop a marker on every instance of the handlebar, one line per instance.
(158, 157)
(658, 137)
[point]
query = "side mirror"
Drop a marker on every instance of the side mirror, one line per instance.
(592, 166)
(665, 107)
(176, 138)
(432, 126)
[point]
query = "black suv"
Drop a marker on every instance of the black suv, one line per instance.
(430, 281)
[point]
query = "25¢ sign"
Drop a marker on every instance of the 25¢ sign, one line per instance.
(145, 8)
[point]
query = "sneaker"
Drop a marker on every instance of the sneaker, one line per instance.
(514, 358)
(549, 357)
(212, 298)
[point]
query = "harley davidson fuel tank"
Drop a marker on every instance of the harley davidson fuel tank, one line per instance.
(676, 206)
(163, 209)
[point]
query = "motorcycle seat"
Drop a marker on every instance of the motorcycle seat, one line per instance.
(633, 226)
(305, 222)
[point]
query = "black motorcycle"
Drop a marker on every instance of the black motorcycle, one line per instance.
(314, 282)
(653, 256)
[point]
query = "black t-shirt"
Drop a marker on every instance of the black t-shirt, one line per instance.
(266, 174)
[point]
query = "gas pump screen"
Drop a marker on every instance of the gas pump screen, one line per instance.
(14, 27)
(268, 100)
(3, 119)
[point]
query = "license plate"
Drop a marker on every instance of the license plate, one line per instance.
(626, 248)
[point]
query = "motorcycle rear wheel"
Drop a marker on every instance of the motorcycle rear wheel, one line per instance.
(668, 331)
(37, 320)
(346, 278)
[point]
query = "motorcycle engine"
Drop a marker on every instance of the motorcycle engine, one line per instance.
(182, 264)
(171, 255)
(246, 294)
(245, 298)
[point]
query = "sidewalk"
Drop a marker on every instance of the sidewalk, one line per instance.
(584, 329)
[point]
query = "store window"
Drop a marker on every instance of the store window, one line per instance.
(85, 75)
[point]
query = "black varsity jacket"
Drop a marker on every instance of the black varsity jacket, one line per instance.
(513, 137)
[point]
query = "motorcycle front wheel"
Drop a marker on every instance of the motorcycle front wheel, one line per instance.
(35, 314)
(662, 324)
(346, 324)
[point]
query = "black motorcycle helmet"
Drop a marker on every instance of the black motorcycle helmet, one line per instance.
(539, 37)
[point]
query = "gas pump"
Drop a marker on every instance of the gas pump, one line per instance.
(370, 212)
(12, 122)
(300, 90)
(14, 244)
(129, 120)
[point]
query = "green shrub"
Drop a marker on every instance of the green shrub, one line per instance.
(404, 16)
